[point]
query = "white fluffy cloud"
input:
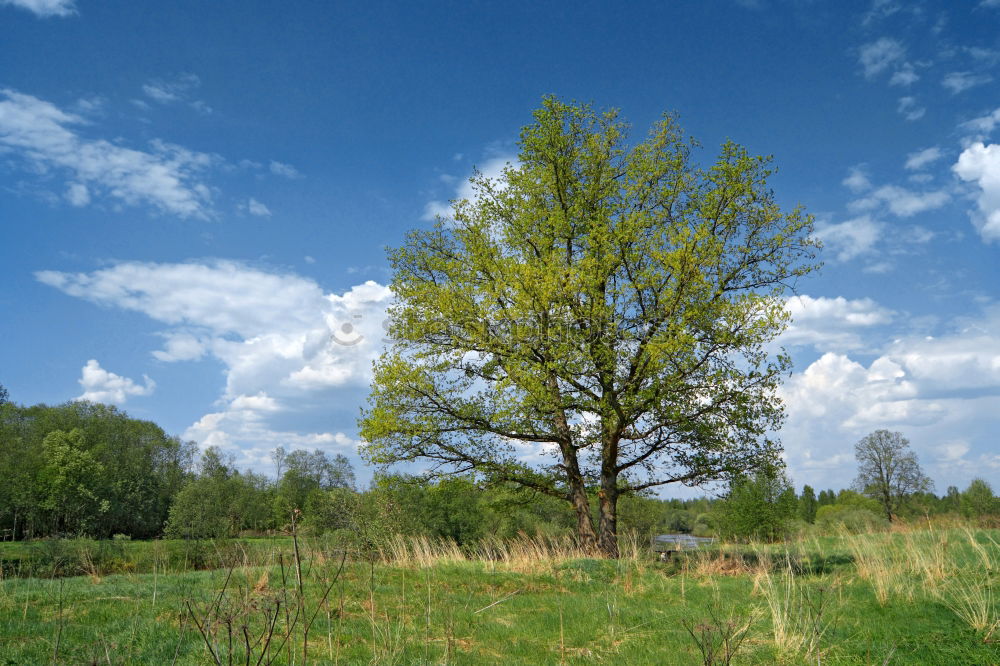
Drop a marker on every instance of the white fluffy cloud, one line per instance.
(831, 324)
(851, 238)
(900, 201)
(980, 163)
(281, 339)
(99, 385)
(936, 390)
(166, 176)
(45, 8)
(492, 169)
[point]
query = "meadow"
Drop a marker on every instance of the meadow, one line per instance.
(914, 595)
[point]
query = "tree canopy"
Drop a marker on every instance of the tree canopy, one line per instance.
(596, 319)
(888, 470)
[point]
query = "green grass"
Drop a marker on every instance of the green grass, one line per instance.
(570, 610)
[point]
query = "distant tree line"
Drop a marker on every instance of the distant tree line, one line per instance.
(84, 469)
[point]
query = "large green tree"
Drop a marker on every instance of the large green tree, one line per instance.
(597, 320)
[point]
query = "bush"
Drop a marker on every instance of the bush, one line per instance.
(836, 517)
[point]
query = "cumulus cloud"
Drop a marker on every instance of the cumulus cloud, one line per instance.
(281, 339)
(831, 324)
(44, 136)
(980, 164)
(851, 238)
(45, 8)
(492, 169)
(934, 389)
(99, 385)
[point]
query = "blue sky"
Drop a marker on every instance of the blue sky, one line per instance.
(195, 196)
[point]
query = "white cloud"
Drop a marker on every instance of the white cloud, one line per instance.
(181, 346)
(850, 238)
(904, 76)
(980, 163)
(901, 201)
(167, 91)
(983, 124)
(164, 177)
(45, 8)
(922, 158)
(909, 109)
(492, 169)
(242, 428)
(176, 89)
(831, 324)
(875, 57)
(958, 82)
(78, 194)
(281, 339)
(258, 209)
(941, 392)
(286, 170)
(857, 179)
(99, 385)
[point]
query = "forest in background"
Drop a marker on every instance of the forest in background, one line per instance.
(89, 470)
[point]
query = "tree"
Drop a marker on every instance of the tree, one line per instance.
(978, 499)
(67, 483)
(603, 308)
(808, 504)
(888, 470)
(759, 506)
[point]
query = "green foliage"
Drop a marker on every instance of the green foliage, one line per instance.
(220, 502)
(978, 500)
(83, 468)
(602, 296)
(808, 505)
(759, 507)
(832, 518)
(888, 470)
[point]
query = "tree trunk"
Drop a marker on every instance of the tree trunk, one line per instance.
(608, 530)
(585, 534)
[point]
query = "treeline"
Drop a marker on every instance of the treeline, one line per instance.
(83, 469)
(86, 469)
(765, 506)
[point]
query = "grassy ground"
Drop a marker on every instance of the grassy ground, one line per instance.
(923, 597)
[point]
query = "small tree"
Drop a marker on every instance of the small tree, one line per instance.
(759, 507)
(978, 499)
(808, 504)
(888, 470)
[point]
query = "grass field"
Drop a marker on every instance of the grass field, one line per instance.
(914, 597)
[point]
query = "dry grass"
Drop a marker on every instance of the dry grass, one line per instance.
(526, 554)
